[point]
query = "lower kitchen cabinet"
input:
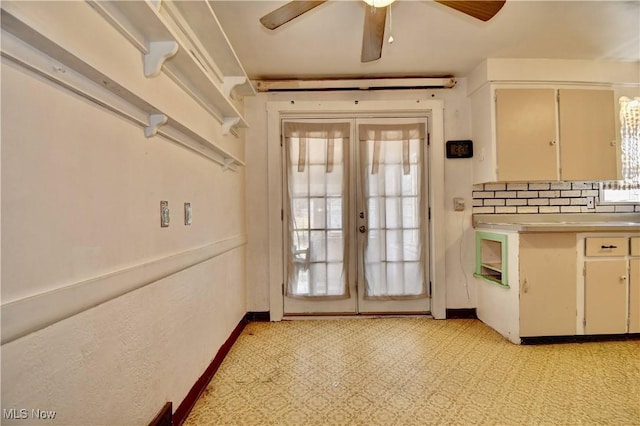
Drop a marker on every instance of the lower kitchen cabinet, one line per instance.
(611, 285)
(634, 295)
(547, 278)
(605, 301)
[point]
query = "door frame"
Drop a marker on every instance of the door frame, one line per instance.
(433, 109)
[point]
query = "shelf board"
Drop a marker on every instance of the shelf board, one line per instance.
(33, 50)
(494, 266)
(142, 23)
(215, 46)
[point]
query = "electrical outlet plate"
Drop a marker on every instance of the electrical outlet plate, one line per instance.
(187, 213)
(164, 214)
(458, 204)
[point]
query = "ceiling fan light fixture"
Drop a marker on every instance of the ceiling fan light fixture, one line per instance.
(379, 3)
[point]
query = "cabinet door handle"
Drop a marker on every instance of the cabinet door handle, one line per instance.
(623, 278)
(608, 247)
(552, 143)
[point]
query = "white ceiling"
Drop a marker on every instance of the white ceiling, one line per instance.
(430, 39)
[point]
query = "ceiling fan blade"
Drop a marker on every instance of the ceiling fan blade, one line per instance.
(285, 13)
(373, 35)
(483, 10)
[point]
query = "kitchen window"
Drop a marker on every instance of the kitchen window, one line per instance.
(628, 189)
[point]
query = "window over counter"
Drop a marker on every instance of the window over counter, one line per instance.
(628, 189)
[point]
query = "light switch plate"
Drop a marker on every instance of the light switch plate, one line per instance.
(164, 214)
(187, 213)
(458, 204)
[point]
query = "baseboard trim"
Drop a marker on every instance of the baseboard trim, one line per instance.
(547, 340)
(201, 384)
(163, 418)
(261, 316)
(462, 313)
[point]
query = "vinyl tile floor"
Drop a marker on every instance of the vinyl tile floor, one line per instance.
(416, 371)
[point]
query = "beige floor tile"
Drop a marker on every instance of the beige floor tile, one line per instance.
(414, 371)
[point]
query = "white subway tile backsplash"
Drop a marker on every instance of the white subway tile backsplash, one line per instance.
(538, 201)
(570, 209)
(542, 197)
(590, 192)
(560, 185)
(549, 209)
(549, 194)
(483, 194)
(527, 209)
(605, 209)
(527, 194)
(495, 186)
(621, 208)
(581, 185)
(506, 210)
(517, 186)
(539, 186)
(484, 210)
(504, 194)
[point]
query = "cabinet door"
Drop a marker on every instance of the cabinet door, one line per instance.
(605, 304)
(634, 296)
(547, 284)
(526, 134)
(587, 135)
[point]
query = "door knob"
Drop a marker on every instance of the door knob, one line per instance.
(362, 229)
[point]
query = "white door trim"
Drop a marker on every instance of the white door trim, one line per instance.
(434, 108)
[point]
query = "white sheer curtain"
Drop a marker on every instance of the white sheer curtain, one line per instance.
(316, 160)
(630, 134)
(392, 176)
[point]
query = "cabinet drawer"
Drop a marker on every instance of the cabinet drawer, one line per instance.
(635, 246)
(607, 246)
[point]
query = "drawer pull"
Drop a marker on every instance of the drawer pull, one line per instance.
(608, 247)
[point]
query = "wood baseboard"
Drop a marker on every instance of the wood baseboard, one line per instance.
(163, 418)
(463, 313)
(258, 316)
(189, 401)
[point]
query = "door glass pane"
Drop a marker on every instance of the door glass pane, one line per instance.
(315, 171)
(391, 172)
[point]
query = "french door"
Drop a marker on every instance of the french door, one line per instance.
(355, 223)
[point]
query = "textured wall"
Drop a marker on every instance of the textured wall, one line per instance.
(81, 191)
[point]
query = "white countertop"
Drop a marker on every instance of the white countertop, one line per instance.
(579, 222)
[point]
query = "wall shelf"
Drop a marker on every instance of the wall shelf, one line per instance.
(146, 24)
(34, 51)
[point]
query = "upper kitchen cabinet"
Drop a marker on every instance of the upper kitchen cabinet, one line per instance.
(587, 135)
(526, 134)
(544, 134)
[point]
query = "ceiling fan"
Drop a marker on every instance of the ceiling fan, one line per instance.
(375, 17)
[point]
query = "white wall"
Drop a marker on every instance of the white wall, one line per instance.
(81, 192)
(457, 184)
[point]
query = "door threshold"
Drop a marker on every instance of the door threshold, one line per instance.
(376, 315)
